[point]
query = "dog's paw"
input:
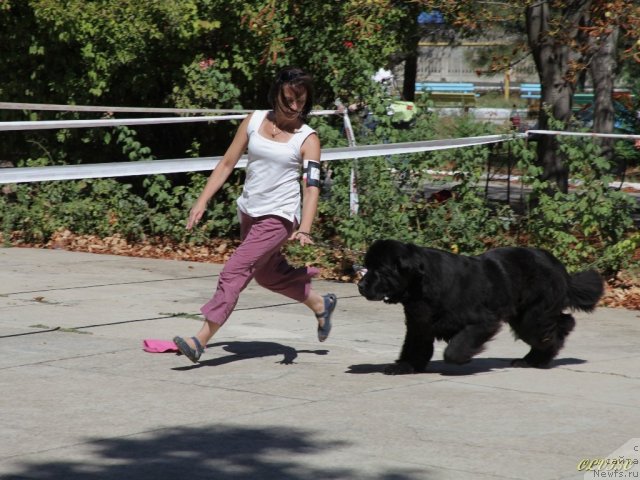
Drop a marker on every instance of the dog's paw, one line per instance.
(451, 356)
(399, 368)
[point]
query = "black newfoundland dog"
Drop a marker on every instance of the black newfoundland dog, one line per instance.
(463, 300)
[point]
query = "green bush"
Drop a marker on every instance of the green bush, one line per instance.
(589, 226)
(99, 207)
(391, 189)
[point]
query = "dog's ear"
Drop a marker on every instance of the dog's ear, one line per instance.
(375, 250)
(411, 260)
(414, 266)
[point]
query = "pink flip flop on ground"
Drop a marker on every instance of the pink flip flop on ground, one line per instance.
(159, 346)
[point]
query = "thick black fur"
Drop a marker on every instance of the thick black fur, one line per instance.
(463, 300)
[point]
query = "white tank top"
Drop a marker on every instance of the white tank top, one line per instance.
(272, 185)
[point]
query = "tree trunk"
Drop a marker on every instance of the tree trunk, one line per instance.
(557, 88)
(411, 41)
(410, 74)
(602, 69)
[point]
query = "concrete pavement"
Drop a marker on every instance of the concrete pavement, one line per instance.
(270, 402)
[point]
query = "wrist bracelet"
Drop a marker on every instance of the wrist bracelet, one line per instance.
(306, 234)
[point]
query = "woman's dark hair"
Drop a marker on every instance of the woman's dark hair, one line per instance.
(299, 80)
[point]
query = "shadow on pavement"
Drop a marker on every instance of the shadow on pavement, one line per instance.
(219, 453)
(247, 350)
(477, 365)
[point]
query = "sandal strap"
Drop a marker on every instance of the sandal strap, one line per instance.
(332, 298)
(198, 345)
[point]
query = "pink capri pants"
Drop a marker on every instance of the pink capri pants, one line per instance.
(258, 257)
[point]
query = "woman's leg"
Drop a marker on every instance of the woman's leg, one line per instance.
(315, 302)
(261, 238)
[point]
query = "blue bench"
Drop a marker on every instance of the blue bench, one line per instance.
(445, 87)
(530, 91)
(581, 99)
(448, 93)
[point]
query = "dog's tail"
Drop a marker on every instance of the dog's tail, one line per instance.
(585, 289)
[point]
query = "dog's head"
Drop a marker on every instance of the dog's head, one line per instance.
(391, 271)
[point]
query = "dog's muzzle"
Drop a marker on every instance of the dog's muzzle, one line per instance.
(369, 293)
(362, 288)
(360, 272)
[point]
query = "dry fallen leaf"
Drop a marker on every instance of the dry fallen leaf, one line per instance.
(622, 292)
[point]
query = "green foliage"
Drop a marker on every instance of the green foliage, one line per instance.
(627, 156)
(222, 54)
(381, 204)
(391, 189)
(131, 146)
(169, 207)
(102, 39)
(137, 52)
(466, 225)
(34, 211)
(167, 213)
(194, 53)
(589, 224)
(221, 219)
(204, 85)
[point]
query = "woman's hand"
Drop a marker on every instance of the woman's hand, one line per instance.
(303, 237)
(196, 213)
